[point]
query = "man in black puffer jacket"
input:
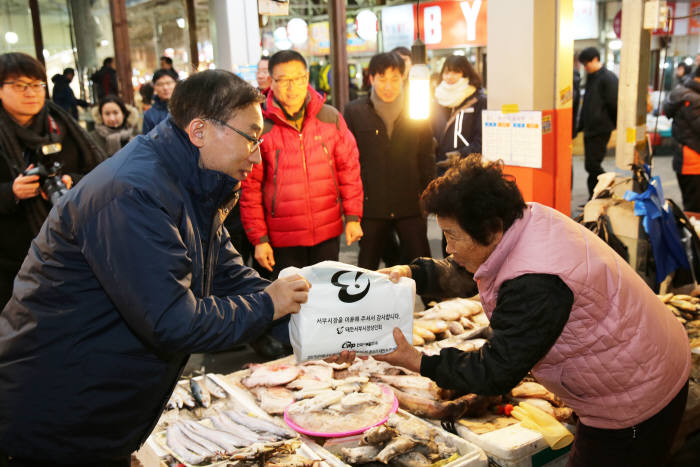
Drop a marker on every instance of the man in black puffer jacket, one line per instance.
(598, 114)
(396, 162)
(132, 272)
(683, 106)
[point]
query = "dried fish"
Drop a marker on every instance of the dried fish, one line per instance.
(395, 447)
(411, 459)
(185, 397)
(183, 447)
(244, 434)
(273, 400)
(317, 403)
(357, 399)
(378, 435)
(359, 454)
(417, 385)
(214, 388)
(258, 424)
(536, 390)
(271, 375)
(200, 393)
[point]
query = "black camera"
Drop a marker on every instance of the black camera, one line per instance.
(49, 174)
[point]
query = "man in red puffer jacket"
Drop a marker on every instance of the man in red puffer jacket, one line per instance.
(292, 205)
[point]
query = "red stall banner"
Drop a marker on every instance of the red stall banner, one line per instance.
(452, 24)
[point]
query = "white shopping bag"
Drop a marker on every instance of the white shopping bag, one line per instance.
(349, 308)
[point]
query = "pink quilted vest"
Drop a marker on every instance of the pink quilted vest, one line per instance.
(622, 355)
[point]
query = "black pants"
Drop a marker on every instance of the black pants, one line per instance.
(690, 190)
(7, 279)
(301, 256)
(645, 445)
(594, 147)
(376, 234)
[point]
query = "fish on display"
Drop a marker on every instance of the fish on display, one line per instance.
(200, 393)
(270, 375)
(184, 447)
(185, 396)
(259, 425)
(214, 389)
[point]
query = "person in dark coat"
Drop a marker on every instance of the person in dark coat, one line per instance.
(131, 273)
(683, 106)
(396, 163)
(164, 82)
(598, 114)
(104, 80)
(33, 130)
(63, 94)
(457, 116)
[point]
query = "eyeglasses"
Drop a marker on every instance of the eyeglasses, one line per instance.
(256, 141)
(298, 81)
(19, 86)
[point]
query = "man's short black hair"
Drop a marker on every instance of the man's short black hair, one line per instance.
(401, 50)
(107, 61)
(68, 71)
(478, 195)
(285, 56)
(588, 54)
(18, 64)
(382, 62)
(167, 60)
(211, 95)
(163, 72)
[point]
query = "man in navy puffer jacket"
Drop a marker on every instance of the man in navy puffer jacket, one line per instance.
(131, 272)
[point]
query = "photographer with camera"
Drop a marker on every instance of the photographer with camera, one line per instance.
(35, 134)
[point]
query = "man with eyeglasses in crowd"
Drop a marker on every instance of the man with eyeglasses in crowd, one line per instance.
(164, 82)
(131, 274)
(292, 205)
(28, 123)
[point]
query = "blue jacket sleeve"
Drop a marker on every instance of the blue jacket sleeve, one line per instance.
(147, 124)
(232, 277)
(136, 252)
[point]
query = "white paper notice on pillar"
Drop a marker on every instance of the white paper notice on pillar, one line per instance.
(516, 138)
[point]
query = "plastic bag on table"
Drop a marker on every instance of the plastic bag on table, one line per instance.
(349, 308)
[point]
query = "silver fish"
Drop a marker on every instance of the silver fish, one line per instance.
(200, 393)
(259, 424)
(185, 397)
(209, 445)
(214, 389)
(223, 423)
(179, 444)
(226, 441)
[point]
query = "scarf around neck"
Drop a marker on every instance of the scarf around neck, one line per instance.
(388, 111)
(114, 136)
(451, 95)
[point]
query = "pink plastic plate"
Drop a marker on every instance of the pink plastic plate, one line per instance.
(294, 426)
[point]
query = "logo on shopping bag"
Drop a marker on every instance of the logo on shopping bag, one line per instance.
(351, 291)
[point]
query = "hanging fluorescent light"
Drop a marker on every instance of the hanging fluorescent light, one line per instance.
(418, 83)
(180, 23)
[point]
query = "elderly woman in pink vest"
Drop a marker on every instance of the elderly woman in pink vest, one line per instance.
(563, 305)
